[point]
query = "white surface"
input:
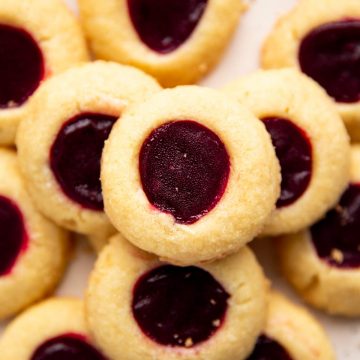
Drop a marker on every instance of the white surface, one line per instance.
(241, 58)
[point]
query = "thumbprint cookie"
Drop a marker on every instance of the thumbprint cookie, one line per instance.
(310, 141)
(38, 38)
(197, 177)
(33, 251)
(139, 308)
(61, 140)
(177, 41)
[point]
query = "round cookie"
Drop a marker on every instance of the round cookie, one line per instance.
(60, 141)
(321, 39)
(323, 262)
(195, 181)
(291, 333)
(177, 41)
(53, 329)
(310, 140)
(140, 308)
(33, 251)
(37, 40)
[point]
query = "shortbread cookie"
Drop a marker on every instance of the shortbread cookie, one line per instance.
(291, 333)
(33, 251)
(177, 41)
(139, 308)
(38, 39)
(323, 262)
(322, 38)
(310, 140)
(197, 177)
(60, 142)
(53, 329)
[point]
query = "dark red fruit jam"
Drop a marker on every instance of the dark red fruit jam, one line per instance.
(67, 347)
(75, 158)
(21, 66)
(268, 349)
(294, 152)
(337, 236)
(164, 25)
(184, 169)
(179, 306)
(13, 236)
(330, 55)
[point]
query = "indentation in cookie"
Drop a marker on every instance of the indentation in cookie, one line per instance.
(75, 158)
(21, 66)
(336, 237)
(13, 235)
(330, 54)
(294, 152)
(67, 347)
(184, 169)
(164, 25)
(179, 306)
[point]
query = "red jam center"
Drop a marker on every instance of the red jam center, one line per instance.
(330, 54)
(337, 236)
(179, 306)
(268, 349)
(21, 66)
(294, 152)
(75, 158)
(184, 169)
(13, 236)
(164, 25)
(67, 347)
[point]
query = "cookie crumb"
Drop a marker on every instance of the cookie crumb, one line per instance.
(337, 255)
(189, 342)
(216, 323)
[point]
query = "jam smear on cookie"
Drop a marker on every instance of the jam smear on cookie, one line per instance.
(21, 66)
(330, 54)
(75, 158)
(184, 170)
(336, 237)
(179, 306)
(13, 238)
(164, 25)
(268, 349)
(294, 152)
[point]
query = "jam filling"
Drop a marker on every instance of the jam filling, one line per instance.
(75, 158)
(294, 152)
(184, 170)
(330, 54)
(179, 306)
(21, 66)
(268, 349)
(67, 347)
(13, 236)
(336, 237)
(164, 25)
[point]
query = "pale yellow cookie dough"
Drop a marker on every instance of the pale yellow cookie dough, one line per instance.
(289, 94)
(112, 36)
(59, 37)
(40, 267)
(99, 87)
(110, 318)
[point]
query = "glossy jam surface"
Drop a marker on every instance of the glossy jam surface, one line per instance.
(294, 152)
(164, 25)
(337, 236)
(330, 54)
(268, 349)
(184, 169)
(13, 236)
(67, 347)
(75, 158)
(21, 66)
(179, 306)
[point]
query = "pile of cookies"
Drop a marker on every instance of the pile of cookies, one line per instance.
(171, 182)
